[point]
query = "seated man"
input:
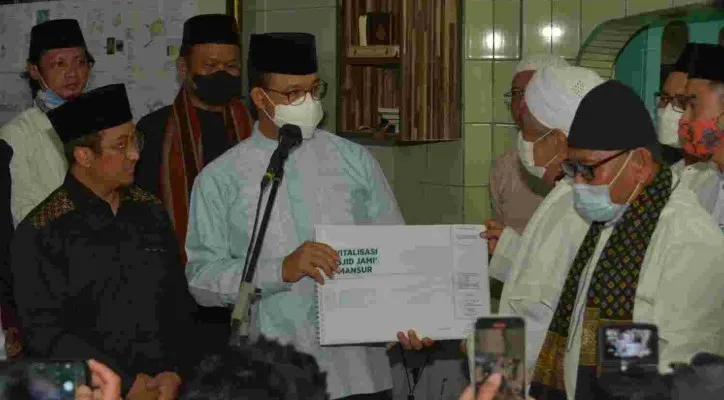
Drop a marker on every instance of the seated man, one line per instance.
(628, 243)
(100, 247)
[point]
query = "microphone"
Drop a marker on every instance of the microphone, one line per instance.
(290, 136)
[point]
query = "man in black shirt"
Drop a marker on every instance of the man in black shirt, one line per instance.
(96, 265)
(206, 119)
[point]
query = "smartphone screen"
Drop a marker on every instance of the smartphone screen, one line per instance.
(625, 345)
(48, 380)
(499, 347)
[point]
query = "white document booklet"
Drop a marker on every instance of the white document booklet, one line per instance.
(433, 279)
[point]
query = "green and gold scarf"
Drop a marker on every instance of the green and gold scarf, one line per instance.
(611, 294)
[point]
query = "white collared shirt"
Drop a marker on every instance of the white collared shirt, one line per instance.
(38, 166)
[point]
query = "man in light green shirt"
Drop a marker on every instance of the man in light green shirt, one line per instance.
(328, 180)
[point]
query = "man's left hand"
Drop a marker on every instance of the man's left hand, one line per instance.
(412, 342)
(167, 383)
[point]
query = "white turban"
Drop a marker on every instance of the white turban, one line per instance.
(554, 93)
(538, 61)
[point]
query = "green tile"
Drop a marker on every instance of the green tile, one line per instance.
(385, 156)
(505, 137)
(248, 4)
(321, 22)
(478, 154)
(503, 73)
(506, 36)
(536, 19)
(410, 198)
(444, 204)
(634, 7)
(478, 83)
(328, 73)
(410, 163)
(477, 205)
(478, 23)
(565, 30)
(251, 22)
(594, 12)
(678, 3)
(445, 163)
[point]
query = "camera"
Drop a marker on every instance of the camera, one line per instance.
(42, 379)
(499, 347)
(628, 347)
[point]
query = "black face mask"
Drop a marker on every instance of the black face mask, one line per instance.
(217, 89)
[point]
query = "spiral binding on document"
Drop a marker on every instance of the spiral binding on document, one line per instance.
(320, 316)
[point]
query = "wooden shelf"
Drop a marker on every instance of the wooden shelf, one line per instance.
(370, 139)
(373, 61)
(423, 82)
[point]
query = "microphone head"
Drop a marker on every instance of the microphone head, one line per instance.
(290, 136)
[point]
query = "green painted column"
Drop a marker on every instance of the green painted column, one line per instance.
(705, 32)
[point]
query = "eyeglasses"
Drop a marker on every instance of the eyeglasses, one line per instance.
(72, 65)
(678, 102)
(134, 142)
(572, 168)
(296, 97)
(513, 94)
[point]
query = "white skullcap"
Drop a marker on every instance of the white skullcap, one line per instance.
(554, 93)
(534, 62)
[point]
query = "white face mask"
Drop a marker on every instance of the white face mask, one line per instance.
(306, 115)
(667, 125)
(526, 153)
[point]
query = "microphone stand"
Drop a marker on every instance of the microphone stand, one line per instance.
(248, 294)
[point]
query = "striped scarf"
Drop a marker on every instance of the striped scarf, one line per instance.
(611, 293)
(182, 157)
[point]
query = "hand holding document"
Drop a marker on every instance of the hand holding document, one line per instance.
(315, 260)
(433, 279)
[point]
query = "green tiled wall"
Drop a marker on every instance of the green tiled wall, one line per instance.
(314, 16)
(448, 182)
(518, 28)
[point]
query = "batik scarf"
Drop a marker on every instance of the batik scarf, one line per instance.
(183, 159)
(611, 294)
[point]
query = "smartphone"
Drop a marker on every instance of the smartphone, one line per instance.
(47, 379)
(623, 347)
(499, 347)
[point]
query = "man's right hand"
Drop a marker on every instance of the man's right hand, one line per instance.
(307, 260)
(139, 390)
(493, 231)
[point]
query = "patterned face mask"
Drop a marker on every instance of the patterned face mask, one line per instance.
(701, 137)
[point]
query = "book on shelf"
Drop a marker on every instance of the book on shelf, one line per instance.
(373, 51)
(362, 30)
(390, 116)
(383, 110)
(376, 29)
(379, 28)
